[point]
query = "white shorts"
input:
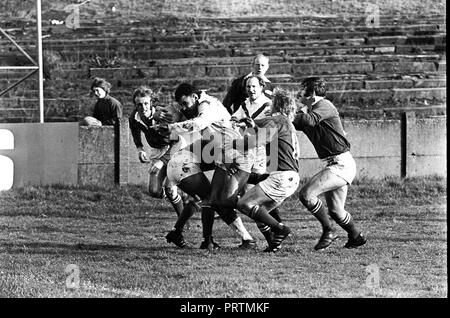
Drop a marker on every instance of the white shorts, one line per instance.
(342, 165)
(245, 160)
(183, 164)
(280, 185)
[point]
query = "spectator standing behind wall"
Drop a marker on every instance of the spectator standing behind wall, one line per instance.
(237, 93)
(107, 109)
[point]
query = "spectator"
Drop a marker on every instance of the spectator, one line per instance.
(237, 94)
(107, 109)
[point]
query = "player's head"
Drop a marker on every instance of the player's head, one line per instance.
(283, 103)
(313, 86)
(186, 96)
(100, 87)
(260, 64)
(254, 86)
(144, 100)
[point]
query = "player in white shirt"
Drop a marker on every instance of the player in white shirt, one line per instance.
(203, 135)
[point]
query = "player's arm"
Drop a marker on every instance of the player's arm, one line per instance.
(206, 116)
(258, 135)
(230, 97)
(167, 114)
(314, 116)
(137, 139)
(239, 113)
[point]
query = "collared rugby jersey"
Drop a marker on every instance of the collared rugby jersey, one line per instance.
(279, 129)
(323, 128)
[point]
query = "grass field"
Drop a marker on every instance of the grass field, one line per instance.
(88, 241)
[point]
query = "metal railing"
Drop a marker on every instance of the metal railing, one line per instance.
(35, 67)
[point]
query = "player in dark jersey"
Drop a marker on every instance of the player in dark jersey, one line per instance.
(141, 121)
(321, 124)
(283, 181)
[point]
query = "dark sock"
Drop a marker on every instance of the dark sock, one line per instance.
(260, 214)
(321, 214)
(265, 230)
(185, 215)
(348, 224)
(275, 213)
(207, 221)
(226, 214)
(177, 204)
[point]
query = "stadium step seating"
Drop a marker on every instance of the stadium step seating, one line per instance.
(371, 71)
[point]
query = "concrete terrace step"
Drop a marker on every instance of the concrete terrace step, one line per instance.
(272, 24)
(361, 97)
(373, 84)
(220, 84)
(74, 56)
(129, 78)
(266, 22)
(392, 112)
(31, 114)
(308, 38)
(388, 97)
(343, 19)
(146, 34)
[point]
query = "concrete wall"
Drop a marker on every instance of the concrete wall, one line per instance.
(404, 148)
(40, 154)
(97, 155)
(65, 153)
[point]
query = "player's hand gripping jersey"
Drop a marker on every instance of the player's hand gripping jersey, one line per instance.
(158, 141)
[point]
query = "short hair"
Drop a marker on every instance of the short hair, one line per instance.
(260, 55)
(315, 85)
(259, 78)
(143, 91)
(283, 103)
(102, 83)
(184, 89)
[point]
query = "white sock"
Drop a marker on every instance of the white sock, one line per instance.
(240, 229)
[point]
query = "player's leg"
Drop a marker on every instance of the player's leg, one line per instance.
(159, 186)
(171, 191)
(321, 182)
(336, 201)
(183, 169)
(256, 176)
(157, 175)
(256, 204)
(194, 185)
(225, 188)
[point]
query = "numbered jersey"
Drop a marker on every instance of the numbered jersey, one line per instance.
(283, 145)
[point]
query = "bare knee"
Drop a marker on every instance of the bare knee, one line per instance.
(337, 214)
(156, 192)
(245, 207)
(307, 198)
(171, 192)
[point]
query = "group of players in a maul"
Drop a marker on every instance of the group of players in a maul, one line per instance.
(250, 143)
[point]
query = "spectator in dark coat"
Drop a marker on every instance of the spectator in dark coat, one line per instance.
(107, 109)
